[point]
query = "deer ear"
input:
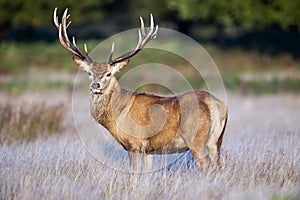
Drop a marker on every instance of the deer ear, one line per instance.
(81, 64)
(119, 66)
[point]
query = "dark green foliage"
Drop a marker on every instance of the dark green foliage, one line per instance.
(226, 13)
(220, 12)
(39, 12)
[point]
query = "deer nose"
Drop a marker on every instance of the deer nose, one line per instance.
(95, 86)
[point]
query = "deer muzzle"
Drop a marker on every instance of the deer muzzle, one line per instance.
(96, 88)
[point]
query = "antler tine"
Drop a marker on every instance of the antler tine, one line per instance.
(64, 27)
(55, 18)
(155, 32)
(69, 24)
(140, 39)
(87, 57)
(111, 53)
(147, 36)
(69, 21)
(144, 38)
(142, 26)
(64, 39)
(63, 42)
(151, 22)
(74, 44)
(86, 50)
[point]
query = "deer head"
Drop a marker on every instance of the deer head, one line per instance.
(101, 73)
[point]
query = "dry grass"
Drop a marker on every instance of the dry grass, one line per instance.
(263, 162)
(24, 121)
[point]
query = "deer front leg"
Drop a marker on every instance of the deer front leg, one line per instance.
(140, 162)
(134, 161)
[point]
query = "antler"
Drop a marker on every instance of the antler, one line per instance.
(64, 39)
(144, 38)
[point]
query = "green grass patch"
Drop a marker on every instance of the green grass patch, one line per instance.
(283, 197)
(20, 58)
(255, 86)
(17, 58)
(19, 85)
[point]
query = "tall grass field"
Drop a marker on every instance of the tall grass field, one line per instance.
(261, 152)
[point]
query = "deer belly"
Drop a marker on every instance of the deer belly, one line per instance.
(177, 145)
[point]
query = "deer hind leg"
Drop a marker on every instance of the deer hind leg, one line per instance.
(200, 157)
(213, 147)
(197, 144)
(198, 147)
(215, 142)
(219, 143)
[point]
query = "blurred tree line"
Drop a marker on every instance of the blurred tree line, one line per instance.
(32, 19)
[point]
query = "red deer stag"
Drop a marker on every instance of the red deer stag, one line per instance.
(146, 123)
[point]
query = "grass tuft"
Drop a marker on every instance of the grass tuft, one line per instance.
(26, 122)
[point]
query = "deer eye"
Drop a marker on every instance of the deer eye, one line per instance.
(89, 73)
(108, 74)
